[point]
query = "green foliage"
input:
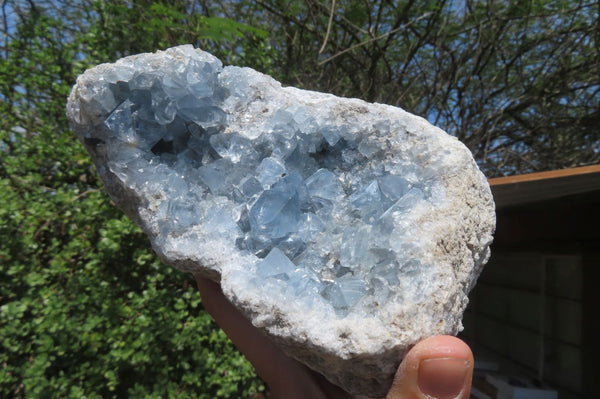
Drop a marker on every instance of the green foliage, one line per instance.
(127, 27)
(86, 308)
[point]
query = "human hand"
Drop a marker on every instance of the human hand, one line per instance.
(439, 367)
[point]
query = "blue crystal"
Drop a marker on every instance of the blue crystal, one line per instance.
(355, 251)
(311, 224)
(308, 126)
(181, 213)
(388, 271)
(324, 184)
(304, 282)
(333, 294)
(200, 79)
(367, 201)
(332, 134)
(292, 245)
(406, 202)
(142, 105)
(278, 145)
(120, 90)
(275, 264)
(198, 140)
(234, 147)
(393, 187)
(200, 111)
(164, 107)
(250, 187)
(352, 288)
(222, 224)
(270, 171)
(120, 122)
(278, 211)
(149, 133)
(303, 164)
(345, 292)
(283, 124)
(214, 176)
(143, 81)
(105, 98)
(174, 85)
(368, 148)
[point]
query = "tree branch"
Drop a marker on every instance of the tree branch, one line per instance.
(382, 36)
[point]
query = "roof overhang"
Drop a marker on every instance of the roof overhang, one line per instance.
(535, 187)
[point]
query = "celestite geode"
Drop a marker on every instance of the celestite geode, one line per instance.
(346, 231)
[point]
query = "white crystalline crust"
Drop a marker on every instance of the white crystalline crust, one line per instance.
(347, 231)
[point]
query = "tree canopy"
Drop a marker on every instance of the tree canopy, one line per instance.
(86, 309)
(517, 82)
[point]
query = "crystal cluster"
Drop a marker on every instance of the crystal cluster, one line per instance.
(299, 201)
(315, 205)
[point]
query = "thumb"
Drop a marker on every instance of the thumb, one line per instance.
(439, 367)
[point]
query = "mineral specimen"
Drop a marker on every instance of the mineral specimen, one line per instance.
(346, 231)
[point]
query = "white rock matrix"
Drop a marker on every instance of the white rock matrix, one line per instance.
(345, 231)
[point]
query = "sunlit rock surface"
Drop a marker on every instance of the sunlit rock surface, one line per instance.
(347, 231)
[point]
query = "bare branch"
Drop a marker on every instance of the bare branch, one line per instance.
(328, 26)
(382, 36)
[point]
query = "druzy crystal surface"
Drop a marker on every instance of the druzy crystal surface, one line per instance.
(345, 230)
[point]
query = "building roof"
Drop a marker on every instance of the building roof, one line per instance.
(534, 187)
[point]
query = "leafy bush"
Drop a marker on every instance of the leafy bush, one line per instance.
(86, 309)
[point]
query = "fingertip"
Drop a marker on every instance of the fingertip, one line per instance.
(438, 367)
(441, 346)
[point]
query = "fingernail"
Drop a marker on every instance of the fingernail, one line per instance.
(443, 378)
